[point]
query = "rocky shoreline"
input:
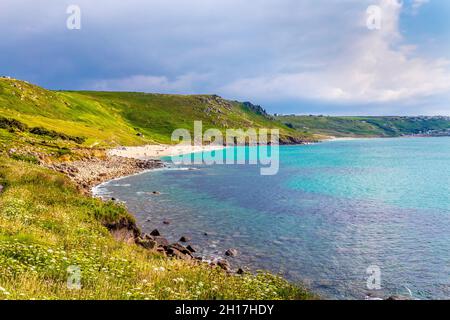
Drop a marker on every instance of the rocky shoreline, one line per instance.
(93, 171)
(127, 231)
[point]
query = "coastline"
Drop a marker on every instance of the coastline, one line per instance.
(155, 241)
(222, 247)
(121, 162)
(130, 231)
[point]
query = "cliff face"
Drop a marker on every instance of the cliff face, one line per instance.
(256, 109)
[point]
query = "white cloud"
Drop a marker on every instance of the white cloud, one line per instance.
(377, 67)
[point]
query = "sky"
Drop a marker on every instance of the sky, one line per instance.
(290, 56)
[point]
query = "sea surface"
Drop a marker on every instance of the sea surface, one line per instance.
(333, 210)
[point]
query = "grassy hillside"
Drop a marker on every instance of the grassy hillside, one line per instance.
(125, 118)
(369, 126)
(47, 226)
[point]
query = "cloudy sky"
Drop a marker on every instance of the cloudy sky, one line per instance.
(291, 56)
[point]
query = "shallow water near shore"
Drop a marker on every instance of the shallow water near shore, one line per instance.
(333, 210)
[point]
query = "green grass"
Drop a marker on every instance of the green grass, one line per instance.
(46, 226)
(368, 126)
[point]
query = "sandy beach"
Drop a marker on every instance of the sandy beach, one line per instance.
(332, 138)
(160, 150)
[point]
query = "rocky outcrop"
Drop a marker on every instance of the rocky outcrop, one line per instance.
(224, 265)
(292, 140)
(179, 251)
(231, 252)
(256, 109)
(127, 231)
(161, 241)
(124, 230)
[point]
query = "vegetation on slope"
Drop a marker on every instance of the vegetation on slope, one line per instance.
(127, 118)
(369, 126)
(46, 226)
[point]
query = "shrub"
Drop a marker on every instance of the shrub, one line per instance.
(25, 158)
(63, 151)
(110, 212)
(40, 131)
(12, 124)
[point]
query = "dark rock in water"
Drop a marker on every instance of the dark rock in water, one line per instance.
(161, 241)
(156, 193)
(231, 252)
(189, 247)
(180, 248)
(146, 243)
(240, 271)
(155, 233)
(205, 234)
(166, 222)
(223, 264)
(184, 239)
(399, 298)
(178, 251)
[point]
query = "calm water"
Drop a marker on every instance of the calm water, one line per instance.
(333, 210)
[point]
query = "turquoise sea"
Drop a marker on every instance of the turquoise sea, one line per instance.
(334, 209)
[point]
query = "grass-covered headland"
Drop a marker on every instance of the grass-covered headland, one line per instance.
(109, 119)
(369, 126)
